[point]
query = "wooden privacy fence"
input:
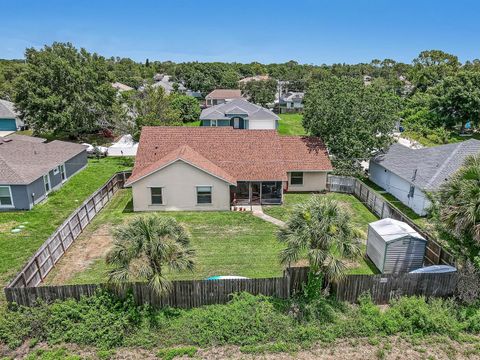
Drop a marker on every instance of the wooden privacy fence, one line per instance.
(184, 294)
(43, 261)
(195, 293)
(434, 253)
(384, 288)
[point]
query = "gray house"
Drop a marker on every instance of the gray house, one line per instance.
(239, 114)
(9, 117)
(31, 168)
(409, 174)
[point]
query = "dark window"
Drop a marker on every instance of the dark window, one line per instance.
(204, 194)
(156, 196)
(5, 198)
(296, 178)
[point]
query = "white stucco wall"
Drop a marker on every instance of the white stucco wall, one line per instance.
(399, 188)
(178, 182)
(261, 124)
(312, 181)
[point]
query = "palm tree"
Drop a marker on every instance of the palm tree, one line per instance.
(459, 201)
(322, 230)
(146, 247)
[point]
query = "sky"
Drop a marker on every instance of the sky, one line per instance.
(307, 31)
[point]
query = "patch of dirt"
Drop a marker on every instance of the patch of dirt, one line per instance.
(84, 251)
(392, 348)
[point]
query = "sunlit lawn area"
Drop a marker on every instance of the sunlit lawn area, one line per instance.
(291, 124)
(361, 217)
(44, 218)
(226, 243)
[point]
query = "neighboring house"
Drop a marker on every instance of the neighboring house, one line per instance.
(198, 168)
(221, 96)
(291, 102)
(253, 78)
(409, 174)
(30, 168)
(121, 87)
(164, 81)
(9, 117)
(239, 114)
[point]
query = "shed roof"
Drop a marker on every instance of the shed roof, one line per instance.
(391, 230)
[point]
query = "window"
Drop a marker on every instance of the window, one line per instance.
(157, 198)
(46, 182)
(236, 123)
(204, 194)
(213, 123)
(56, 170)
(296, 178)
(5, 197)
(61, 168)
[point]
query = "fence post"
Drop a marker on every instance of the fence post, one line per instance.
(38, 269)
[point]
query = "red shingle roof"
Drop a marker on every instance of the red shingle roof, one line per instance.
(224, 94)
(231, 154)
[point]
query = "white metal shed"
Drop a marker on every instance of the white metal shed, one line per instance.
(394, 246)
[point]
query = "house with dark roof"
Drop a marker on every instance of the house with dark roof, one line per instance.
(31, 168)
(9, 117)
(221, 96)
(409, 174)
(200, 168)
(239, 114)
(291, 102)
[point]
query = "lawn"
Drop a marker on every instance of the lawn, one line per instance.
(290, 124)
(45, 217)
(226, 243)
(421, 221)
(361, 217)
(432, 141)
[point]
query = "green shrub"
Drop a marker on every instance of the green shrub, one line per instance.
(169, 354)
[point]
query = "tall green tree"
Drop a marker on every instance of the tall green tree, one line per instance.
(187, 107)
(146, 248)
(457, 209)
(151, 107)
(431, 66)
(355, 121)
(261, 92)
(64, 90)
(322, 230)
(456, 99)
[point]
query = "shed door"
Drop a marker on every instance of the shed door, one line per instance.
(8, 125)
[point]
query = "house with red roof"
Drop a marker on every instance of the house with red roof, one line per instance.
(213, 168)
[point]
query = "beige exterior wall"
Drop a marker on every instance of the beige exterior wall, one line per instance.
(178, 182)
(312, 181)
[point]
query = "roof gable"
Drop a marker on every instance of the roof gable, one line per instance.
(238, 107)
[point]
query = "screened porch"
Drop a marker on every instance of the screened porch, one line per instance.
(257, 193)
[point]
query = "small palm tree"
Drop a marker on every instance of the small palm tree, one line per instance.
(323, 231)
(146, 247)
(459, 201)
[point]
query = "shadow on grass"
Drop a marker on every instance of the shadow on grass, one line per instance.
(129, 207)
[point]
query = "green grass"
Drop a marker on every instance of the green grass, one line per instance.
(421, 221)
(226, 243)
(291, 124)
(44, 218)
(429, 141)
(193, 123)
(360, 214)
